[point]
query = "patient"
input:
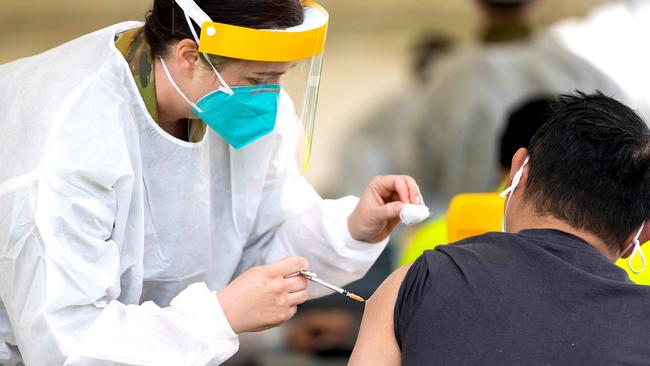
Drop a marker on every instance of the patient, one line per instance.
(545, 292)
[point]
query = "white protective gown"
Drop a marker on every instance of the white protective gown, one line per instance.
(466, 105)
(113, 234)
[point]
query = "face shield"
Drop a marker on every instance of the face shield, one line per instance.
(252, 79)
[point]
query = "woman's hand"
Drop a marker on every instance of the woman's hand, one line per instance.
(263, 297)
(377, 212)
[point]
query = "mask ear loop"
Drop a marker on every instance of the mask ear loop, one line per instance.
(510, 191)
(637, 250)
(171, 80)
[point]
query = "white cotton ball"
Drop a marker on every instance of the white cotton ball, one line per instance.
(413, 214)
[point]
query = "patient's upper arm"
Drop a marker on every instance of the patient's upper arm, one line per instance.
(376, 343)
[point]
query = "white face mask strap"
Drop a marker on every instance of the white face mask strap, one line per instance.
(510, 191)
(171, 80)
(189, 24)
(515, 180)
(637, 250)
(224, 86)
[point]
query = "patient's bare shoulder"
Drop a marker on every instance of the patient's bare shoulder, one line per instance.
(376, 343)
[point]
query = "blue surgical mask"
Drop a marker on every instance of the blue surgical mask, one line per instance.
(240, 115)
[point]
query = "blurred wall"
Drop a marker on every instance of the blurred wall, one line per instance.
(367, 54)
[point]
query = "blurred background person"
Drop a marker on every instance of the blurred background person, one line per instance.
(466, 104)
(382, 141)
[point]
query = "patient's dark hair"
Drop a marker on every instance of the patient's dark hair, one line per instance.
(590, 166)
(166, 22)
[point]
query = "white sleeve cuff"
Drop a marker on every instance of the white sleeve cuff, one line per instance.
(357, 244)
(203, 311)
(336, 225)
(193, 330)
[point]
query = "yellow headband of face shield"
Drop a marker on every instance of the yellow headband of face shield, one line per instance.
(292, 44)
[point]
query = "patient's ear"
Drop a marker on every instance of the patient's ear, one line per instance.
(643, 238)
(518, 160)
(645, 233)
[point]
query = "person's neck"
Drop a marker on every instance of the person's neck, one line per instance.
(495, 16)
(505, 30)
(551, 222)
(178, 128)
(172, 110)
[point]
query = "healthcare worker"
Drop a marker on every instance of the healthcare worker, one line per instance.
(124, 219)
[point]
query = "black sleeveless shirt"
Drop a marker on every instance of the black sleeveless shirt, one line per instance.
(539, 297)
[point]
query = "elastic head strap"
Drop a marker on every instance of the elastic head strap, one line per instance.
(193, 12)
(224, 86)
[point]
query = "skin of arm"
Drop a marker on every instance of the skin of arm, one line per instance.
(376, 343)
